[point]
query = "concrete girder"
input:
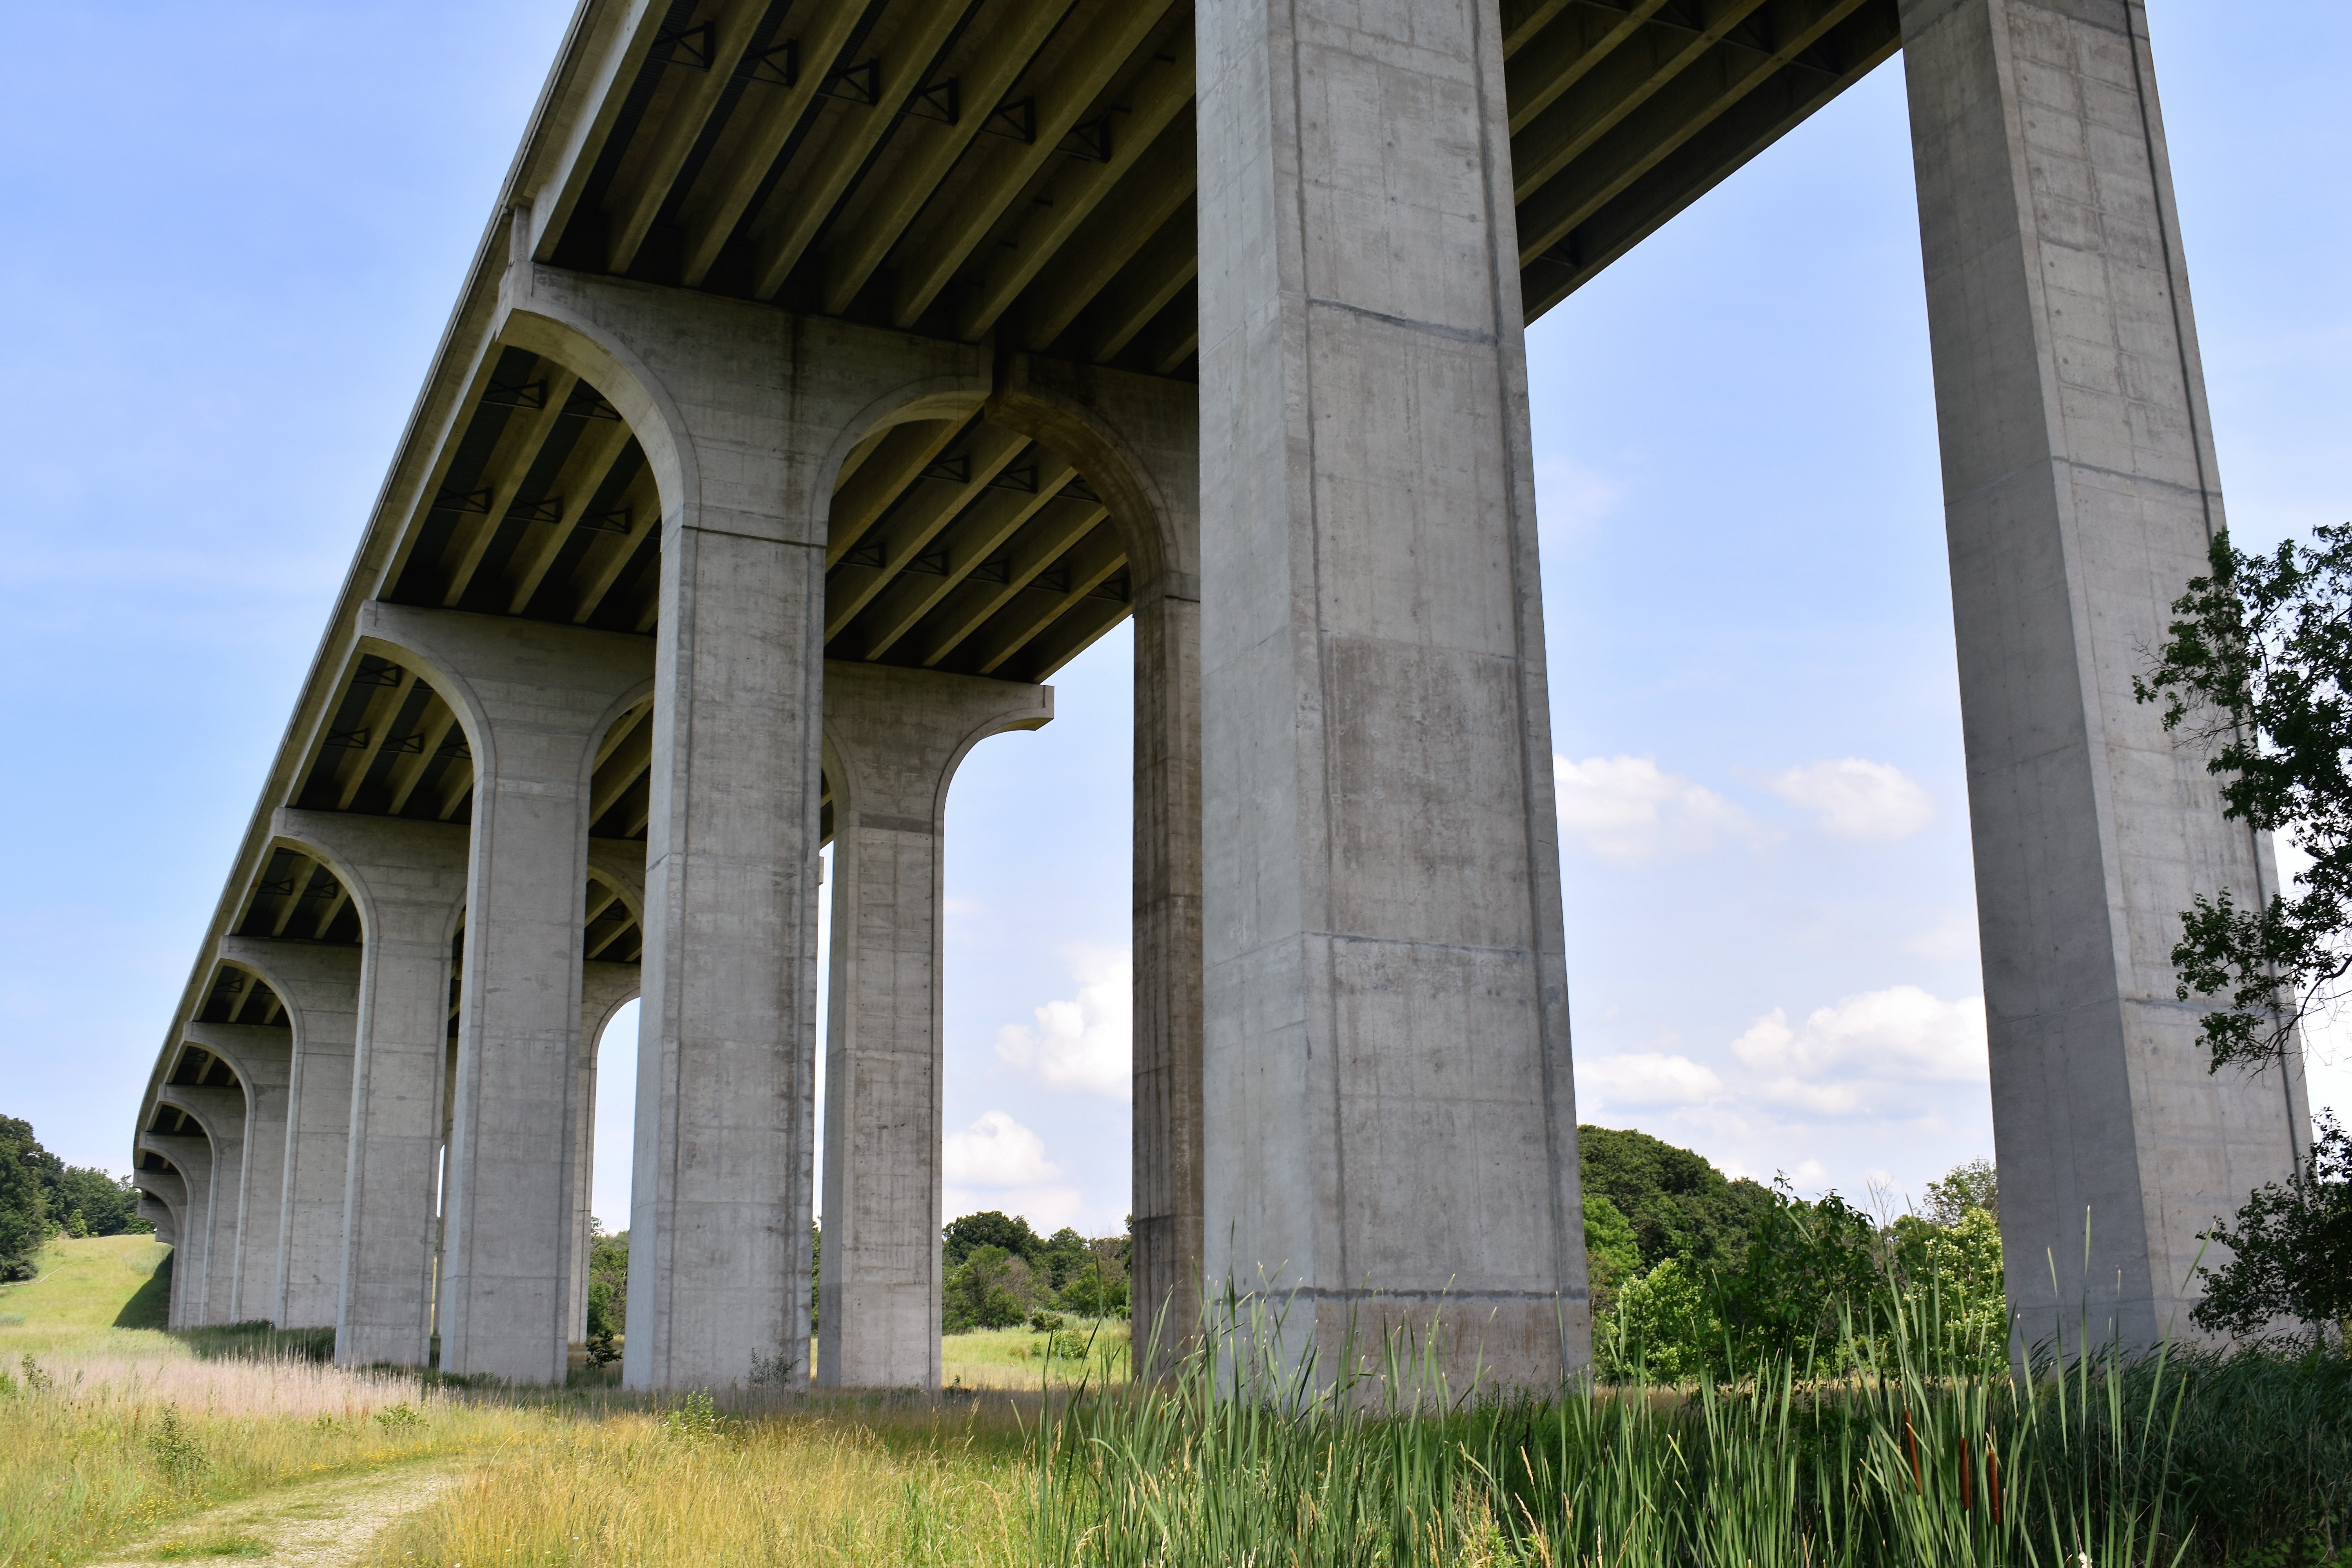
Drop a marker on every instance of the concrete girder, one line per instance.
(1124, 221)
(893, 464)
(936, 247)
(868, 234)
(641, 185)
(263, 1060)
(894, 739)
(914, 521)
(899, 61)
(1545, 63)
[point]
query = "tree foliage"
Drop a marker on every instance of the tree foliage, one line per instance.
(2258, 665)
(25, 1225)
(1678, 1204)
(2291, 1251)
(1000, 1272)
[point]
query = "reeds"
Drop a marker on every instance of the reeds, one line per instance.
(1909, 1453)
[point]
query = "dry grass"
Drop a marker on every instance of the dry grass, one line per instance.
(693, 1486)
(106, 1433)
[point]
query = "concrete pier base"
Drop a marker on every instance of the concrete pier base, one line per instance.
(894, 739)
(2081, 494)
(408, 879)
(262, 1060)
(1390, 1131)
(221, 1113)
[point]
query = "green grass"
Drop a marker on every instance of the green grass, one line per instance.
(219, 1546)
(1017, 1358)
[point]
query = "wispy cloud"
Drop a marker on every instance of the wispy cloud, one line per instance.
(1629, 810)
(998, 1164)
(1646, 1080)
(1881, 1053)
(1850, 798)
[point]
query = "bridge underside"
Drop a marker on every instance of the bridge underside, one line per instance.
(834, 372)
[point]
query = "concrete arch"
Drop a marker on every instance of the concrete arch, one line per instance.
(363, 900)
(551, 329)
(1100, 420)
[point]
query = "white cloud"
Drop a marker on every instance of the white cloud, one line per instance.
(1087, 1042)
(997, 1164)
(1627, 810)
(1850, 798)
(1881, 1053)
(997, 1151)
(1647, 1078)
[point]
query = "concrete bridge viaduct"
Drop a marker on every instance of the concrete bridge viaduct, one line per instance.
(833, 371)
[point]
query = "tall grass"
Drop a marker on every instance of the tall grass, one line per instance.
(695, 1486)
(1904, 1456)
(96, 1449)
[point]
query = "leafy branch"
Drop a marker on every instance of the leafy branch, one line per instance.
(2258, 665)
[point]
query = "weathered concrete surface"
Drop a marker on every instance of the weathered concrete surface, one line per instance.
(894, 739)
(745, 414)
(1139, 440)
(221, 1113)
(408, 880)
(2081, 494)
(320, 987)
(263, 1060)
(192, 1157)
(535, 700)
(1390, 1124)
(604, 989)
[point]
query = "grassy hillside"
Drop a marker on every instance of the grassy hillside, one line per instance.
(104, 1282)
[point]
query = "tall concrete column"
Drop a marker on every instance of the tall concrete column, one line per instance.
(894, 739)
(220, 1112)
(1390, 1125)
(191, 1159)
(1138, 439)
(408, 880)
(604, 989)
(745, 414)
(535, 700)
(262, 1060)
(320, 984)
(2080, 497)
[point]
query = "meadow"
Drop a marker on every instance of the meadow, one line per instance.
(115, 1435)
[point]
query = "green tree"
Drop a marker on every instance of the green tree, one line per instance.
(990, 1288)
(1662, 1327)
(1678, 1204)
(608, 1291)
(2291, 1252)
(1612, 1255)
(990, 1227)
(1973, 1186)
(25, 1223)
(2257, 665)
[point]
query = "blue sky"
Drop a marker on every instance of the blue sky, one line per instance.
(235, 234)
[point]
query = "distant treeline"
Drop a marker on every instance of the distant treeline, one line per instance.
(42, 1196)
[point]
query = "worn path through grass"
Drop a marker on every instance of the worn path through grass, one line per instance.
(318, 1524)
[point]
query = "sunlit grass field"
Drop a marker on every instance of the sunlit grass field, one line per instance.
(1018, 1358)
(110, 1434)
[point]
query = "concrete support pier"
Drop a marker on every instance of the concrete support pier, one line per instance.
(320, 987)
(535, 700)
(220, 1112)
(2081, 495)
(894, 739)
(1390, 1131)
(192, 1157)
(408, 879)
(262, 1060)
(745, 416)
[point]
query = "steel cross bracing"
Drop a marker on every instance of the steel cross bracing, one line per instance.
(1019, 173)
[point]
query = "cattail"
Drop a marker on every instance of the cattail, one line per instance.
(1992, 1478)
(1911, 1451)
(1967, 1496)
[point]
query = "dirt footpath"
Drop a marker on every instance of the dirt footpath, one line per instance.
(320, 1524)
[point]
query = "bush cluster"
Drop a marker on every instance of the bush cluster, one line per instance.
(1000, 1272)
